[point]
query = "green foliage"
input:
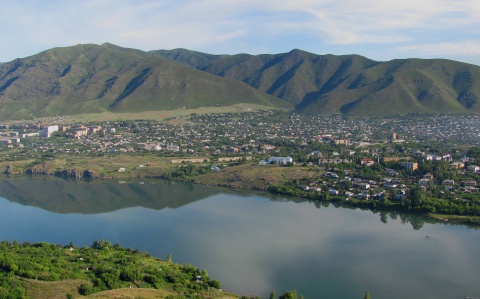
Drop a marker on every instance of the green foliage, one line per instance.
(214, 284)
(273, 295)
(85, 289)
(289, 295)
(103, 266)
(188, 171)
(125, 84)
(360, 78)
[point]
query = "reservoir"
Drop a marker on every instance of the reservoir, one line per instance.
(252, 243)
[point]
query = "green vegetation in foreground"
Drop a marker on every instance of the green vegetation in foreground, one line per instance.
(43, 270)
(34, 270)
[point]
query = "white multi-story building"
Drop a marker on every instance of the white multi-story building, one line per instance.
(48, 131)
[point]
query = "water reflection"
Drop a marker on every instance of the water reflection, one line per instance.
(62, 196)
(251, 244)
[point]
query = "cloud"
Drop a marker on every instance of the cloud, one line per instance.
(236, 25)
(375, 21)
(461, 48)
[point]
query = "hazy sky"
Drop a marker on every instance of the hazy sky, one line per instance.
(378, 29)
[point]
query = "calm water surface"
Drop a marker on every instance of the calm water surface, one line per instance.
(250, 243)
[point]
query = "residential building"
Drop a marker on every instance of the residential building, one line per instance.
(390, 159)
(424, 182)
(364, 186)
(428, 176)
(457, 165)
(470, 183)
(48, 131)
(409, 165)
(367, 162)
(473, 168)
(448, 184)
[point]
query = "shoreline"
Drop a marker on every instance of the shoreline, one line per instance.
(371, 205)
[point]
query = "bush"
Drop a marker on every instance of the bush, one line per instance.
(85, 289)
(214, 284)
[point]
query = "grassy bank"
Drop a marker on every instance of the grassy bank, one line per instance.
(43, 270)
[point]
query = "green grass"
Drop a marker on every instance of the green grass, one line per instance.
(169, 115)
(43, 270)
(90, 79)
(93, 79)
(257, 177)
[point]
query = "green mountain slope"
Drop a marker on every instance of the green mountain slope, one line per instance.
(349, 84)
(93, 78)
(96, 78)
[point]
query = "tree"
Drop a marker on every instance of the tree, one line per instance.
(289, 295)
(392, 194)
(95, 245)
(85, 289)
(416, 197)
(383, 217)
(367, 295)
(273, 295)
(214, 284)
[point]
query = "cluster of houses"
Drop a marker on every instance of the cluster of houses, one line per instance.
(364, 187)
(249, 134)
(9, 138)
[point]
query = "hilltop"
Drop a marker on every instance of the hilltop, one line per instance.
(96, 78)
(93, 79)
(348, 84)
(43, 270)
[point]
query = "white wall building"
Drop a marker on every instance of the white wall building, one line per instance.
(48, 131)
(277, 160)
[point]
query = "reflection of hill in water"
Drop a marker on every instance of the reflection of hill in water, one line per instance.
(62, 196)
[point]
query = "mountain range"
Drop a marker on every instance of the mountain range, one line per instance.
(93, 78)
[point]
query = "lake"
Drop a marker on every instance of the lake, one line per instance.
(252, 243)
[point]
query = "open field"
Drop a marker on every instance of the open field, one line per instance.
(456, 218)
(101, 167)
(171, 116)
(247, 176)
(51, 289)
(257, 177)
(134, 293)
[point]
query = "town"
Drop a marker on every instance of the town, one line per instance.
(403, 159)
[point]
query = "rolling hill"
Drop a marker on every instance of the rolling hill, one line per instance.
(348, 84)
(96, 78)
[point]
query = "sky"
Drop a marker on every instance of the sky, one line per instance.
(378, 29)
